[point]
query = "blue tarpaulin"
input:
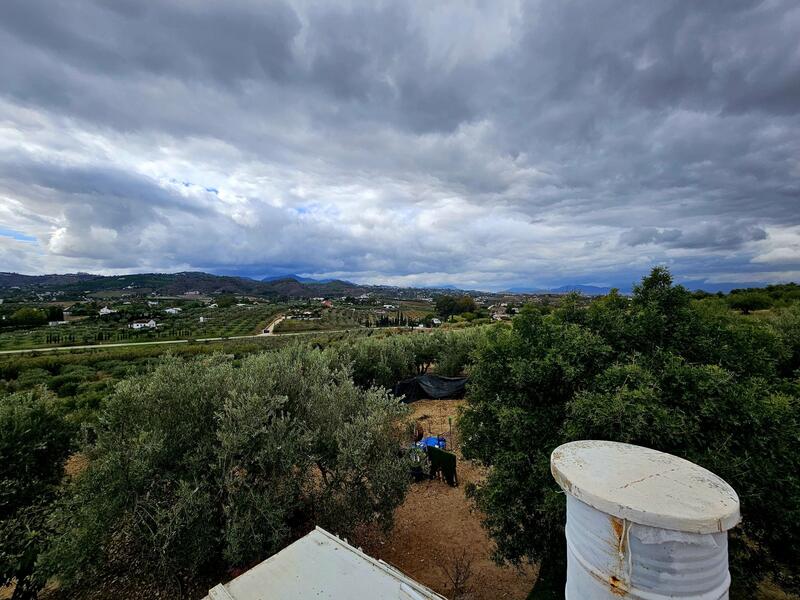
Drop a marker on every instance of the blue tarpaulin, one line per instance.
(433, 441)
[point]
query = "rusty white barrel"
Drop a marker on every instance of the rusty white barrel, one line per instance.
(643, 524)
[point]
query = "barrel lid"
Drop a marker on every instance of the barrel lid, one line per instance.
(645, 486)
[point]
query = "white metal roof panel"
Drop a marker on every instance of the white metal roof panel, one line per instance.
(321, 566)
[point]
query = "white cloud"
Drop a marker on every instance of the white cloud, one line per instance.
(491, 145)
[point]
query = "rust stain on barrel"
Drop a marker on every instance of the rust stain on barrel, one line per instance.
(616, 586)
(618, 526)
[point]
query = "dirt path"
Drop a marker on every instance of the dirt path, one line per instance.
(437, 525)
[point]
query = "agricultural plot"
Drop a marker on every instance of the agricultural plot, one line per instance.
(216, 322)
(324, 320)
(417, 309)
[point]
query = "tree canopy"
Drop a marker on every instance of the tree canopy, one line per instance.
(200, 463)
(658, 370)
(34, 443)
(447, 305)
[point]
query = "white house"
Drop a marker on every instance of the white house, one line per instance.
(320, 565)
(172, 311)
(55, 323)
(152, 303)
(202, 319)
(436, 321)
(144, 324)
(106, 311)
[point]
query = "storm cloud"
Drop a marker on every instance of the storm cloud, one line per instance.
(481, 144)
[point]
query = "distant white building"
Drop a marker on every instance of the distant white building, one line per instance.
(144, 324)
(106, 311)
(55, 323)
(152, 303)
(390, 306)
(213, 305)
(172, 311)
(202, 319)
(436, 321)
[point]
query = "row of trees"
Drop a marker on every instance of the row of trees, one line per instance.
(31, 316)
(386, 361)
(660, 370)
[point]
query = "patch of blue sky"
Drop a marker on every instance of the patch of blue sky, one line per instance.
(16, 235)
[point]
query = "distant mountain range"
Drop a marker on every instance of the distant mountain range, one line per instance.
(179, 283)
(289, 286)
(586, 290)
(297, 278)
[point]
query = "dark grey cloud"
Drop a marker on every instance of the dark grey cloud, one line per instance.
(485, 144)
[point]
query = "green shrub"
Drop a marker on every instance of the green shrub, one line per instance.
(200, 464)
(660, 370)
(455, 350)
(34, 442)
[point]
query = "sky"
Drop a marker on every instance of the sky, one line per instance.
(485, 145)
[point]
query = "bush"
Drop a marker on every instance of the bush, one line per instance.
(455, 350)
(381, 362)
(749, 301)
(660, 370)
(200, 464)
(386, 361)
(454, 305)
(34, 442)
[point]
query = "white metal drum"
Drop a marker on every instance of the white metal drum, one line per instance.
(643, 524)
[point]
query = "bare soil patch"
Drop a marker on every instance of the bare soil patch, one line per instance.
(437, 526)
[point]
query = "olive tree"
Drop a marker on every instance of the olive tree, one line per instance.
(201, 464)
(659, 370)
(34, 442)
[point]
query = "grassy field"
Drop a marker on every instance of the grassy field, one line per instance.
(217, 322)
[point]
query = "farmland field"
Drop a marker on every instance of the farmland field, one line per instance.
(327, 320)
(217, 322)
(417, 309)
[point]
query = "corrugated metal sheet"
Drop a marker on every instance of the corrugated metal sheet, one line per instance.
(322, 566)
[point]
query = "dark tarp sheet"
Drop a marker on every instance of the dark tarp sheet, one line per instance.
(430, 386)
